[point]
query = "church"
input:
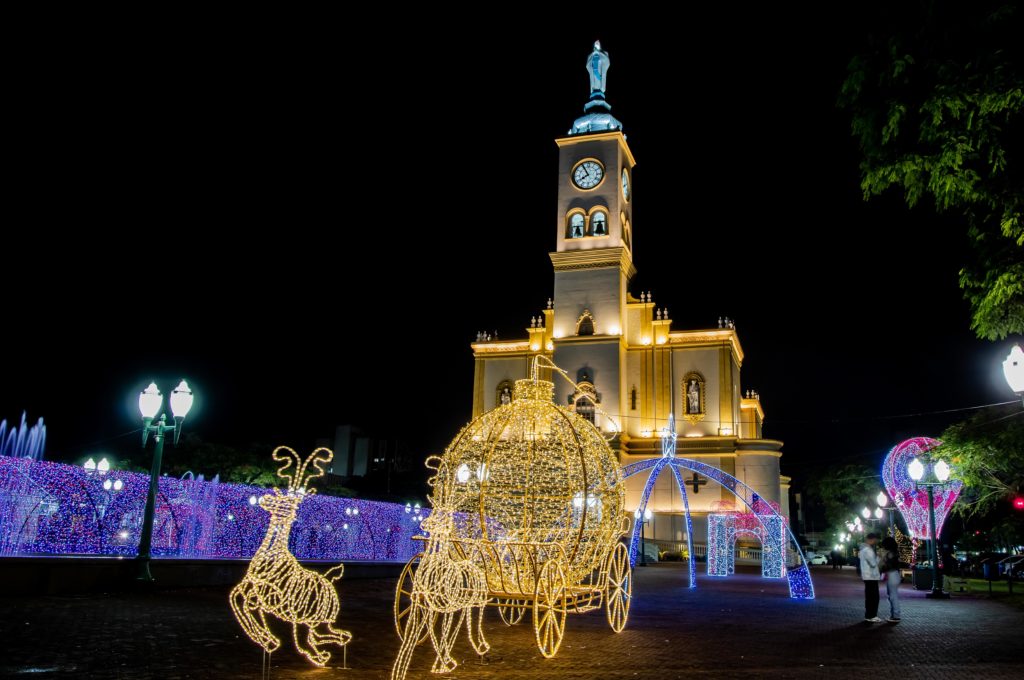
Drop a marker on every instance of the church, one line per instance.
(619, 346)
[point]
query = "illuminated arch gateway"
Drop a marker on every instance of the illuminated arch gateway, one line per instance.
(766, 522)
(724, 528)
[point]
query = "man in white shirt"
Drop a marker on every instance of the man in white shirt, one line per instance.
(869, 573)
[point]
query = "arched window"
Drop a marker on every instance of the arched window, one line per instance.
(576, 227)
(585, 324)
(625, 228)
(585, 399)
(599, 223)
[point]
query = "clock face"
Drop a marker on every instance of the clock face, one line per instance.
(588, 174)
(625, 184)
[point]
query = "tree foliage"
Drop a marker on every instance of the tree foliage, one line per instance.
(937, 106)
(194, 454)
(987, 452)
(841, 491)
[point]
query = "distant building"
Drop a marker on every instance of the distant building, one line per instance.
(358, 453)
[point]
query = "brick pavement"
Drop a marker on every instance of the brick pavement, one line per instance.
(741, 626)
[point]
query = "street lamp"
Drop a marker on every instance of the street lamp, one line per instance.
(643, 538)
(931, 474)
(1013, 369)
(883, 505)
(150, 401)
(109, 486)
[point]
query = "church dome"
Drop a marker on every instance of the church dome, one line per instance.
(595, 122)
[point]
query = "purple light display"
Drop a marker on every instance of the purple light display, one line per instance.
(912, 501)
(55, 509)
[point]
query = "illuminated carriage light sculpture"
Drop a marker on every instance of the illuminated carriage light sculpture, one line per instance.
(528, 516)
(277, 584)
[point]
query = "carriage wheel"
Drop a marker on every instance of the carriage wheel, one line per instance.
(511, 611)
(403, 598)
(549, 608)
(619, 589)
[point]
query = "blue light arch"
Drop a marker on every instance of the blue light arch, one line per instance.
(798, 576)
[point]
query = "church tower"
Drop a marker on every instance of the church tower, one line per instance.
(621, 350)
(592, 261)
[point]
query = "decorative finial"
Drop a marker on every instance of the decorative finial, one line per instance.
(550, 303)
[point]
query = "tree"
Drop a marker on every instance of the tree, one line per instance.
(251, 466)
(987, 453)
(841, 490)
(937, 104)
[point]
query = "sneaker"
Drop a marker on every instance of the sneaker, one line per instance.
(874, 619)
(893, 619)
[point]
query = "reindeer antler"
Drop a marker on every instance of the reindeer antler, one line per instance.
(318, 458)
(435, 463)
(287, 455)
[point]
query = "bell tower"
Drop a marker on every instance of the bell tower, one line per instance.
(593, 259)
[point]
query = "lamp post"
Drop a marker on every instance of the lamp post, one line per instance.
(643, 538)
(931, 474)
(150, 401)
(883, 505)
(1013, 369)
(94, 470)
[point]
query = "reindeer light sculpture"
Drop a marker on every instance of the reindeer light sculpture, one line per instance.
(277, 584)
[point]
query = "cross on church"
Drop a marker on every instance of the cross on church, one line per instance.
(697, 482)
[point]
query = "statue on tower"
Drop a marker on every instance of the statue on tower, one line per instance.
(597, 66)
(597, 113)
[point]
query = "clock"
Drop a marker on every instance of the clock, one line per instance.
(588, 174)
(625, 184)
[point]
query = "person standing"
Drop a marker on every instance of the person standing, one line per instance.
(869, 574)
(889, 565)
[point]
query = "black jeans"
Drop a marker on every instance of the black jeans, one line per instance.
(870, 599)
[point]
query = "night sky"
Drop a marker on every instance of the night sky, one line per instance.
(312, 221)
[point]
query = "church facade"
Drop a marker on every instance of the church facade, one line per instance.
(620, 346)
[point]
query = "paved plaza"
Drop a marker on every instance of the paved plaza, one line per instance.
(742, 626)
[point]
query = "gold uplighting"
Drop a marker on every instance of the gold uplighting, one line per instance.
(528, 513)
(277, 584)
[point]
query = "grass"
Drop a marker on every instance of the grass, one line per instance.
(1000, 591)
